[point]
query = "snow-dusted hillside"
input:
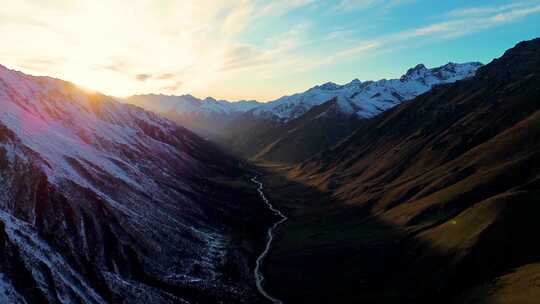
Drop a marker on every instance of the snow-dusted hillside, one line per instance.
(369, 98)
(103, 202)
(63, 126)
(190, 105)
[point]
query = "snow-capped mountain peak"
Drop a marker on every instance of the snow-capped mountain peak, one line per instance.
(355, 83)
(209, 99)
(418, 71)
(329, 86)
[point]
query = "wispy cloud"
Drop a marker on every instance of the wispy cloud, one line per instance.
(277, 49)
(347, 5)
(355, 5)
(280, 7)
(143, 77)
(209, 46)
(486, 10)
(459, 23)
(173, 87)
(165, 76)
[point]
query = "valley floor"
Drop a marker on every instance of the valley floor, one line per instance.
(333, 252)
(326, 253)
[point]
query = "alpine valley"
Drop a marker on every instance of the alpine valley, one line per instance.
(422, 189)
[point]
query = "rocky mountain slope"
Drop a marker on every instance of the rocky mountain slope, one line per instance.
(432, 201)
(292, 128)
(102, 202)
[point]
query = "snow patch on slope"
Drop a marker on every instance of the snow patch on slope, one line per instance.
(8, 293)
(63, 126)
(36, 251)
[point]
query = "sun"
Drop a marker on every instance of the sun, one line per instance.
(86, 89)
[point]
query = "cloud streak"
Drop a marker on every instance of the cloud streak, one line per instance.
(143, 77)
(460, 23)
(356, 5)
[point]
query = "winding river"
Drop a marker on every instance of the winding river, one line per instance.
(259, 277)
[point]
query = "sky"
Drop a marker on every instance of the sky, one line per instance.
(251, 49)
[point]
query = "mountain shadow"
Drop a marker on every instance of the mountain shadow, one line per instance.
(432, 201)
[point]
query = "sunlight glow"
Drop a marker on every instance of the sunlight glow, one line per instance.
(116, 47)
(237, 48)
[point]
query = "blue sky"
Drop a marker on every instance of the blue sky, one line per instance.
(460, 32)
(252, 49)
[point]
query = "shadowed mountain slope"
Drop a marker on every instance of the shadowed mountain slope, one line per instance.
(293, 128)
(434, 200)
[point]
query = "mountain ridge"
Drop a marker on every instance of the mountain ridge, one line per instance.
(280, 108)
(261, 135)
(102, 201)
(368, 98)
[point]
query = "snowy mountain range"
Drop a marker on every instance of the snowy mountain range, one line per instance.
(367, 99)
(293, 128)
(103, 202)
(206, 117)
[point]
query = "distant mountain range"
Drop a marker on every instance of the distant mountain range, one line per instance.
(292, 128)
(367, 99)
(190, 105)
(207, 117)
